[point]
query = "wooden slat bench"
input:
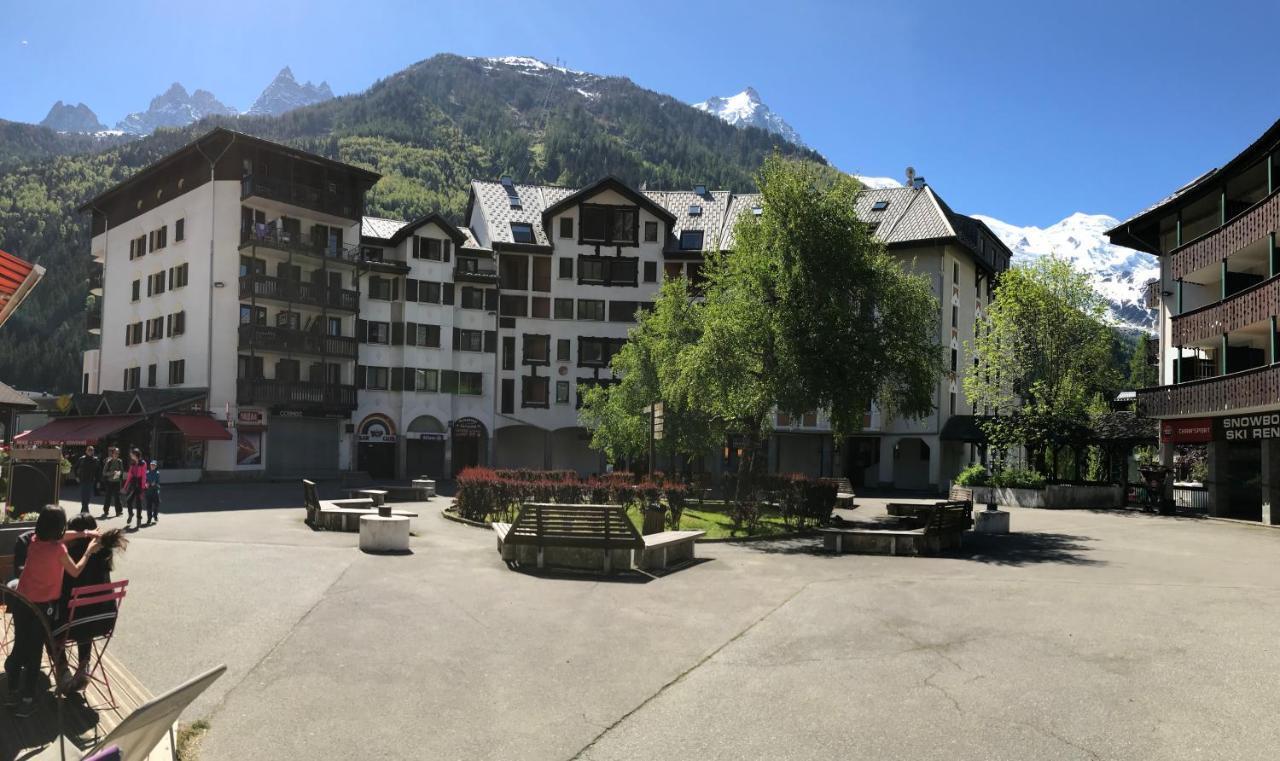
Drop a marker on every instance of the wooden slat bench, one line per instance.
(844, 491)
(339, 514)
(928, 530)
(597, 537)
(666, 548)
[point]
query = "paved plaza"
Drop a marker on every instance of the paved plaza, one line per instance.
(1086, 635)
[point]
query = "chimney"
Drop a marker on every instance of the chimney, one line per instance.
(911, 176)
(918, 183)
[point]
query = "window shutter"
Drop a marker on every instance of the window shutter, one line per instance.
(362, 331)
(447, 293)
(416, 253)
(410, 290)
(397, 377)
(491, 341)
(395, 289)
(397, 334)
(445, 246)
(360, 376)
(410, 334)
(448, 381)
(409, 381)
(491, 299)
(457, 339)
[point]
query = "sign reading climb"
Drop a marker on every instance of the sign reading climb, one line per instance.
(1265, 425)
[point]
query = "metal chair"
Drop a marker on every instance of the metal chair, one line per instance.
(82, 616)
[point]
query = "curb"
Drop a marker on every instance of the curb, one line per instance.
(716, 540)
(459, 519)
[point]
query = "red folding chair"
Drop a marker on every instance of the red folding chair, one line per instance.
(80, 617)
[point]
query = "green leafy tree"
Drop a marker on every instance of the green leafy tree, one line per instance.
(1142, 374)
(1043, 352)
(649, 366)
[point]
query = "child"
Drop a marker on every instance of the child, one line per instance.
(153, 493)
(41, 585)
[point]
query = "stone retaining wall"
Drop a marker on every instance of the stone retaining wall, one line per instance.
(1054, 496)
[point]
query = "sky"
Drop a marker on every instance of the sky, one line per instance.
(1025, 111)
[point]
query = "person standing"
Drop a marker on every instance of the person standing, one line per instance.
(86, 471)
(112, 480)
(135, 486)
(153, 493)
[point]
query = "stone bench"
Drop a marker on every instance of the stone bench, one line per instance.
(580, 537)
(384, 534)
(665, 549)
(921, 530)
(870, 541)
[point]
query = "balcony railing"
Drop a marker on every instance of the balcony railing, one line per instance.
(93, 321)
(475, 276)
(1151, 293)
(321, 397)
(288, 341)
(1216, 245)
(336, 202)
(1257, 387)
(1247, 307)
(299, 243)
(95, 281)
(298, 292)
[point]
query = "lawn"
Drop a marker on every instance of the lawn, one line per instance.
(713, 517)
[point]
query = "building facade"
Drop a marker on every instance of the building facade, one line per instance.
(1218, 298)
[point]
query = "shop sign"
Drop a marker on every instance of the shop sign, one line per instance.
(1192, 431)
(468, 428)
(251, 419)
(1259, 427)
(426, 436)
(376, 429)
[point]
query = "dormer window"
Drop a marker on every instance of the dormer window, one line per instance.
(691, 240)
(879, 205)
(522, 232)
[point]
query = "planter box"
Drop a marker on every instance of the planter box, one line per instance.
(1054, 496)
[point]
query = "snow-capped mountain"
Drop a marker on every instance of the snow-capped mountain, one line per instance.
(175, 108)
(1118, 273)
(285, 94)
(64, 117)
(747, 110)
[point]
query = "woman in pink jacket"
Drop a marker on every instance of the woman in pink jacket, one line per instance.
(135, 485)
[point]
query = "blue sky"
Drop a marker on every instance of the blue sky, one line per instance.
(1027, 111)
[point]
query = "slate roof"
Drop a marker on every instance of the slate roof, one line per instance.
(715, 206)
(11, 397)
(380, 228)
(534, 199)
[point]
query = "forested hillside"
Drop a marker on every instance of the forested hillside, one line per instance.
(428, 129)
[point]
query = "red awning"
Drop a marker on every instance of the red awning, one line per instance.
(77, 431)
(199, 427)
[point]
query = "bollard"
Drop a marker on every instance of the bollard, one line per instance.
(384, 511)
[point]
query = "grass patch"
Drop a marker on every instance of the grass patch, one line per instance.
(713, 517)
(189, 738)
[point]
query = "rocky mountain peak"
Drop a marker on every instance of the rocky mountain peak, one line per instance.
(285, 94)
(64, 117)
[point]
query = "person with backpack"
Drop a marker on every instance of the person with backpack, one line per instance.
(86, 470)
(40, 585)
(112, 480)
(135, 486)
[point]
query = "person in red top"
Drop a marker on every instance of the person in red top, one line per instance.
(41, 585)
(135, 486)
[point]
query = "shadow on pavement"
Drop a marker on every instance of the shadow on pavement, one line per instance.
(1026, 548)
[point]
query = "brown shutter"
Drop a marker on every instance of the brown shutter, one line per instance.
(446, 290)
(362, 331)
(397, 377)
(410, 289)
(397, 334)
(360, 376)
(491, 299)
(445, 246)
(457, 339)
(491, 341)
(410, 334)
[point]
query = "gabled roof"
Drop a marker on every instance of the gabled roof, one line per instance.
(599, 186)
(144, 401)
(452, 231)
(909, 216)
(378, 228)
(11, 397)
(493, 201)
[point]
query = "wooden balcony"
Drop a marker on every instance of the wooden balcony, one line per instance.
(1220, 395)
(298, 292)
(339, 201)
(93, 321)
(296, 395)
(1247, 307)
(287, 341)
(1216, 245)
(301, 243)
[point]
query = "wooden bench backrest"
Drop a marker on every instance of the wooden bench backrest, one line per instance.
(309, 494)
(554, 525)
(950, 515)
(841, 484)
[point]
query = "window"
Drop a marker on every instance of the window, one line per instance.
(537, 349)
(379, 332)
(650, 232)
(513, 272)
(955, 318)
(155, 329)
(623, 311)
(610, 225)
(472, 298)
(566, 227)
(177, 368)
(562, 392)
(607, 270)
(566, 267)
(137, 290)
(132, 378)
(177, 323)
(251, 315)
(151, 376)
(453, 382)
(468, 340)
(177, 276)
(513, 306)
(382, 288)
(158, 279)
(564, 309)
(508, 352)
(691, 240)
(590, 309)
(334, 328)
(179, 230)
(468, 264)
(534, 391)
(597, 352)
(953, 402)
(955, 272)
(651, 272)
(695, 210)
(955, 355)
(427, 336)
(249, 368)
(426, 380)
(376, 378)
(542, 273)
(429, 292)
(541, 308)
(563, 349)
(137, 247)
(879, 205)
(522, 232)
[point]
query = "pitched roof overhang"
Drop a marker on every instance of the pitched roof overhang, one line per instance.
(607, 183)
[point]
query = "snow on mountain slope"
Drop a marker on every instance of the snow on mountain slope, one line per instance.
(1118, 273)
(747, 110)
(174, 108)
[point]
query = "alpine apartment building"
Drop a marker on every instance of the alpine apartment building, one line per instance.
(1218, 298)
(241, 281)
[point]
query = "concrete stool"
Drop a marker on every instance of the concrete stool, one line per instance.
(425, 486)
(991, 522)
(379, 496)
(384, 533)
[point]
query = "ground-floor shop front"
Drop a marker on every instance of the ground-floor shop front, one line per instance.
(923, 462)
(1242, 461)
